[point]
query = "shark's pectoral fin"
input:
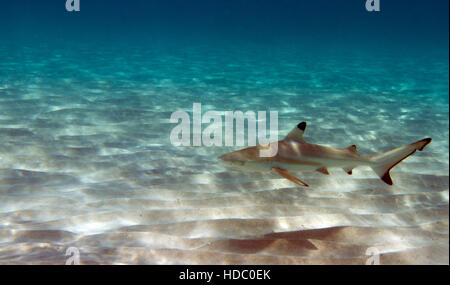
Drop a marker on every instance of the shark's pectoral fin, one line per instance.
(287, 175)
(349, 170)
(323, 170)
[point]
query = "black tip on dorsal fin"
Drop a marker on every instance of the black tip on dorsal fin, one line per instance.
(302, 126)
(297, 132)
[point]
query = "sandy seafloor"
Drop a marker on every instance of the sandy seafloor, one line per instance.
(86, 160)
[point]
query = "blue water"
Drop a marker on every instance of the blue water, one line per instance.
(86, 160)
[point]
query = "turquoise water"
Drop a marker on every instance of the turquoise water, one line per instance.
(86, 159)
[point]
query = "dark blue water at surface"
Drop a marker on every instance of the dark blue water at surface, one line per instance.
(423, 23)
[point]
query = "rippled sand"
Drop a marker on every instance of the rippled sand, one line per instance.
(86, 160)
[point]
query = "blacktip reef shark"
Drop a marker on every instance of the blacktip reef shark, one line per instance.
(294, 154)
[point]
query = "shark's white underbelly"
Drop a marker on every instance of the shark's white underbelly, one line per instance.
(304, 164)
(267, 166)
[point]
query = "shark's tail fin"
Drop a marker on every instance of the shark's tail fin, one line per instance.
(383, 163)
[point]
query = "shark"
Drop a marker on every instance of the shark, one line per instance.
(293, 154)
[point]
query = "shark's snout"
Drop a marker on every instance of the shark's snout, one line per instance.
(232, 159)
(223, 157)
(232, 156)
(226, 157)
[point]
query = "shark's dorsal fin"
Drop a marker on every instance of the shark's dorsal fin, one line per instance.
(297, 132)
(352, 148)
